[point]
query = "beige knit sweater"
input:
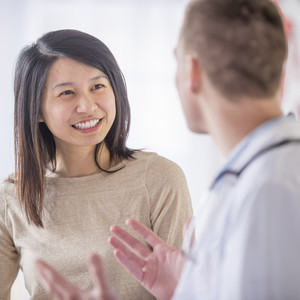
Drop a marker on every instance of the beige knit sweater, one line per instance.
(77, 215)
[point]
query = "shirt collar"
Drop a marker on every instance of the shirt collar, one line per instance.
(263, 135)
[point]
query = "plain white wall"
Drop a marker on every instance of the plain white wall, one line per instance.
(142, 35)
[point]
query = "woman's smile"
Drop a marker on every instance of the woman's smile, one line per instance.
(78, 105)
(89, 124)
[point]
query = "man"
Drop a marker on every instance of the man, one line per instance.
(230, 57)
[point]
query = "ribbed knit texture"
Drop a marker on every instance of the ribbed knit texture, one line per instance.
(78, 213)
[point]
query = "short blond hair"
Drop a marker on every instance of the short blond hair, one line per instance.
(240, 44)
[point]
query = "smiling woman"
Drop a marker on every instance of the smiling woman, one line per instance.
(40, 67)
(75, 176)
(79, 109)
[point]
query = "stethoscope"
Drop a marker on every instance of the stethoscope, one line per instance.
(254, 157)
(188, 240)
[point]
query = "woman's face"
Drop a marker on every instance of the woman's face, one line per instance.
(78, 104)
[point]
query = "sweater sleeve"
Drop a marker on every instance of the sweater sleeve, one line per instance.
(9, 257)
(169, 199)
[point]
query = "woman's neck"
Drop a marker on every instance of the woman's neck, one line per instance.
(80, 161)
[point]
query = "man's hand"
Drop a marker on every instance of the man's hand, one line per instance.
(60, 289)
(158, 270)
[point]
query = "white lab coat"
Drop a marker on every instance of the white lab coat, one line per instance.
(248, 230)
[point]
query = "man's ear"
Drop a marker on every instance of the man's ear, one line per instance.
(195, 74)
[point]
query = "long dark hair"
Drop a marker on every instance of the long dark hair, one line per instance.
(35, 149)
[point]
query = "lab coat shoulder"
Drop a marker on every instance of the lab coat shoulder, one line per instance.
(261, 255)
(271, 180)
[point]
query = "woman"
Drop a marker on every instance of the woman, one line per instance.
(74, 175)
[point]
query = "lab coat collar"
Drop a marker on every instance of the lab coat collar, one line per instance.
(267, 134)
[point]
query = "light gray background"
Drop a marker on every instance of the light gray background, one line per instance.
(142, 35)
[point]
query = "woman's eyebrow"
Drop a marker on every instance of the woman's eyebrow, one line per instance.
(98, 77)
(71, 83)
(61, 84)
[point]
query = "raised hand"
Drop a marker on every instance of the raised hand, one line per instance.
(159, 269)
(60, 289)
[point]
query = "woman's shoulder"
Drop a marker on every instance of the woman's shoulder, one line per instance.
(6, 191)
(152, 159)
(156, 164)
(6, 186)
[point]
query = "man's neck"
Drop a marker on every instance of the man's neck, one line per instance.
(236, 120)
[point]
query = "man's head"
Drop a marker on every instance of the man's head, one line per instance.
(239, 44)
(233, 49)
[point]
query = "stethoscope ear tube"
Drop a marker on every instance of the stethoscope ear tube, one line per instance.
(237, 173)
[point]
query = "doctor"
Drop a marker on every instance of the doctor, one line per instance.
(230, 57)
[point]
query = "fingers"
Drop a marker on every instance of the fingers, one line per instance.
(133, 265)
(127, 238)
(53, 283)
(126, 252)
(131, 261)
(103, 287)
(98, 271)
(150, 237)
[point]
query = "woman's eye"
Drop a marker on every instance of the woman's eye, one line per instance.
(97, 86)
(68, 92)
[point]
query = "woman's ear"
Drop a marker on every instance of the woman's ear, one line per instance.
(41, 119)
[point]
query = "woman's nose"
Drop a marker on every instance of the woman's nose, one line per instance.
(86, 104)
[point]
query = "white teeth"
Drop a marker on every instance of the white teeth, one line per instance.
(86, 125)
